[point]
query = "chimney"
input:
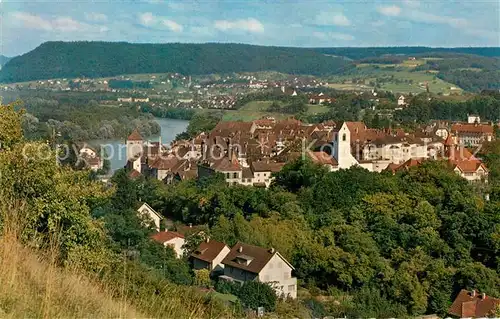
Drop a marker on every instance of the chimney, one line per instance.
(473, 293)
(271, 250)
(240, 249)
(159, 142)
(483, 296)
(208, 239)
(190, 225)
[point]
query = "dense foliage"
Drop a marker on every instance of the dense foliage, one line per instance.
(170, 113)
(361, 53)
(410, 241)
(88, 226)
(128, 84)
(422, 110)
(101, 59)
(81, 119)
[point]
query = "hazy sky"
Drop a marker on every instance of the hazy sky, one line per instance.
(27, 23)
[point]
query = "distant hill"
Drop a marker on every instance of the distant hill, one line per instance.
(363, 53)
(100, 59)
(3, 60)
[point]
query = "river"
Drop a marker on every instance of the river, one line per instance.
(116, 148)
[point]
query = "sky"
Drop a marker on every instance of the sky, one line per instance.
(25, 24)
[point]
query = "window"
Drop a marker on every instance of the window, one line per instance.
(344, 137)
(291, 287)
(266, 278)
(228, 175)
(235, 175)
(230, 270)
(286, 275)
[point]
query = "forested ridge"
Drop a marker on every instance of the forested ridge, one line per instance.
(100, 59)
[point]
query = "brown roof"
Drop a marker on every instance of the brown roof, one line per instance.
(473, 304)
(258, 257)
(165, 236)
(227, 165)
(322, 158)
(208, 250)
(134, 173)
(264, 166)
(135, 136)
(472, 128)
(164, 163)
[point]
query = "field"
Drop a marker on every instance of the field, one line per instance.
(398, 78)
(257, 109)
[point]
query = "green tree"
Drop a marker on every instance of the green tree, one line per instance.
(254, 294)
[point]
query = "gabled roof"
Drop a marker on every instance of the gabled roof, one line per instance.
(208, 250)
(166, 236)
(227, 165)
(322, 158)
(150, 209)
(256, 257)
(473, 304)
(265, 166)
(135, 136)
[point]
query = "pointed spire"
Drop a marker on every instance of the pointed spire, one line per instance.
(135, 136)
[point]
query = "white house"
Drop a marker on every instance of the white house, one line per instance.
(401, 101)
(246, 262)
(146, 211)
(171, 239)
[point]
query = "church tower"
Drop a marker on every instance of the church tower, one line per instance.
(342, 147)
(134, 145)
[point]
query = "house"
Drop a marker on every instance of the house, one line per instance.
(473, 134)
(401, 101)
(141, 99)
(171, 239)
(320, 99)
(146, 210)
(325, 159)
(125, 99)
(246, 262)
(209, 255)
(472, 304)
(90, 157)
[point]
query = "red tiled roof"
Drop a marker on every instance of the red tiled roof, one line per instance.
(473, 304)
(135, 136)
(165, 236)
(472, 128)
(208, 251)
(323, 158)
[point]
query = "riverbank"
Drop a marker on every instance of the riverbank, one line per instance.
(116, 149)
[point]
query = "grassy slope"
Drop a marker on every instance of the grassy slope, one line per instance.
(404, 71)
(33, 287)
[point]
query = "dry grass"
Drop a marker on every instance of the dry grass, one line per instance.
(32, 286)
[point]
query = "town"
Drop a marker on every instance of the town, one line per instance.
(250, 159)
